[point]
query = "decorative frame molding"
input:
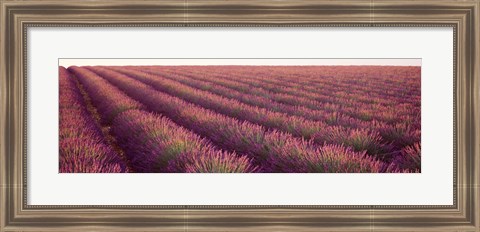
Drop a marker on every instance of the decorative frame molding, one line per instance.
(17, 16)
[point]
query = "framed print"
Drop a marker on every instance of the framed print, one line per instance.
(239, 116)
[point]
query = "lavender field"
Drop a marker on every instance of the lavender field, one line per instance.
(226, 119)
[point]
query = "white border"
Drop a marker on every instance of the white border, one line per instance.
(434, 186)
(66, 62)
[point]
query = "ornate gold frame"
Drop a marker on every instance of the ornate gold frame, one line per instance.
(16, 16)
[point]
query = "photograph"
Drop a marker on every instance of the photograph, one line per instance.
(333, 116)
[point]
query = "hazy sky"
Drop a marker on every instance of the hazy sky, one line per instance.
(396, 62)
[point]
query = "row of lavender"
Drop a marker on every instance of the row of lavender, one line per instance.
(82, 145)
